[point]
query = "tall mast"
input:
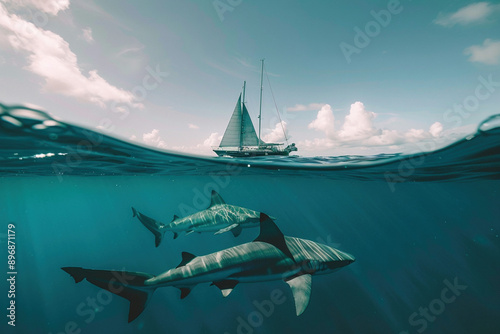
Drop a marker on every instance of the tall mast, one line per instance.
(243, 100)
(241, 107)
(260, 106)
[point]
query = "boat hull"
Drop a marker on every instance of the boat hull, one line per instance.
(249, 153)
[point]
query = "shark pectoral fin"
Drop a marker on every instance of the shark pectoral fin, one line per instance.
(186, 258)
(237, 230)
(216, 199)
(225, 229)
(226, 286)
(271, 234)
(176, 235)
(134, 212)
(226, 292)
(301, 290)
(158, 238)
(175, 217)
(185, 292)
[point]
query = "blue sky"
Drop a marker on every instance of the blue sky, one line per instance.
(349, 77)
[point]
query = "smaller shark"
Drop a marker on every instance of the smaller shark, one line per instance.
(219, 217)
(272, 256)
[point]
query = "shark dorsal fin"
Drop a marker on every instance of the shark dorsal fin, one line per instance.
(301, 290)
(175, 218)
(271, 234)
(186, 258)
(216, 199)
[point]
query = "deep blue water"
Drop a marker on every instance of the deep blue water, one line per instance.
(416, 225)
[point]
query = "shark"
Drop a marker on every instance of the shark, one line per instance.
(219, 217)
(271, 256)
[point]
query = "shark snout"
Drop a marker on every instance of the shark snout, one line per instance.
(348, 258)
(344, 259)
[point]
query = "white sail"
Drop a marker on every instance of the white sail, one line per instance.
(249, 137)
(232, 136)
(240, 131)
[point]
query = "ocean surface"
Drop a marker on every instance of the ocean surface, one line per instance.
(424, 229)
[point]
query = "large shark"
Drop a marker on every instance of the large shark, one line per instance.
(219, 217)
(272, 256)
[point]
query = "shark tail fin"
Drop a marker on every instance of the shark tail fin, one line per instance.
(126, 284)
(156, 227)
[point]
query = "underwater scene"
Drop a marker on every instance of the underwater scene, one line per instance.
(157, 241)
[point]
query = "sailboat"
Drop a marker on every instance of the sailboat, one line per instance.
(240, 138)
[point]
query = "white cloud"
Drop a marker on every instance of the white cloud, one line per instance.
(306, 107)
(87, 35)
(488, 53)
(213, 140)
(414, 135)
(193, 126)
(383, 138)
(436, 129)
(153, 138)
(473, 13)
(317, 143)
(277, 134)
(48, 6)
(358, 130)
(358, 124)
(325, 121)
(49, 56)
(202, 149)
